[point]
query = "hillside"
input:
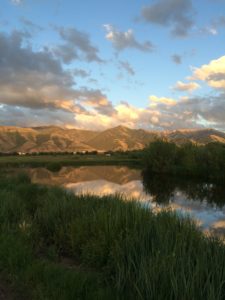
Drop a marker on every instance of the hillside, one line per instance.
(56, 139)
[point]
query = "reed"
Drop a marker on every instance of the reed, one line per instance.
(55, 245)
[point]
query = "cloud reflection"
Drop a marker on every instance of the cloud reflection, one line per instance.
(203, 202)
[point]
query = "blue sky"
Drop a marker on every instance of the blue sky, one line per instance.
(121, 62)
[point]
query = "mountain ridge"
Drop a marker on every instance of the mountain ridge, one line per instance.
(58, 139)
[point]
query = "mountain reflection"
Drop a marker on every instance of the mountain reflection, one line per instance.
(205, 202)
(116, 174)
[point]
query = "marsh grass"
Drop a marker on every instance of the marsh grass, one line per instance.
(54, 245)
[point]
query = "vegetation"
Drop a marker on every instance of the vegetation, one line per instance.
(207, 161)
(54, 245)
(52, 160)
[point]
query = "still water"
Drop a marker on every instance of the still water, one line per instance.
(203, 201)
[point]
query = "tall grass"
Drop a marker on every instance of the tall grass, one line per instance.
(54, 245)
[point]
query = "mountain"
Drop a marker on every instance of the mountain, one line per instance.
(199, 136)
(122, 138)
(56, 139)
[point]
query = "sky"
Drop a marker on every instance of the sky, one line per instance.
(96, 64)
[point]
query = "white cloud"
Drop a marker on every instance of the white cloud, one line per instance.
(212, 73)
(186, 87)
(154, 101)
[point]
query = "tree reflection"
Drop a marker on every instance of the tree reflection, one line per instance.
(162, 189)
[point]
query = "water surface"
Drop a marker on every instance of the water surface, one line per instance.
(204, 202)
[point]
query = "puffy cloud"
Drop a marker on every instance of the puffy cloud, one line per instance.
(123, 40)
(36, 81)
(127, 67)
(37, 90)
(186, 87)
(177, 59)
(174, 13)
(154, 101)
(125, 114)
(212, 73)
(28, 117)
(166, 114)
(77, 44)
(209, 109)
(29, 78)
(96, 100)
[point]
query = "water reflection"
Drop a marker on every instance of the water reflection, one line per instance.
(163, 189)
(116, 174)
(203, 201)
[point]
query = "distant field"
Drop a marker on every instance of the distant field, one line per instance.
(65, 160)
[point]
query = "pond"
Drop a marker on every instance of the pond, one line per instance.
(204, 202)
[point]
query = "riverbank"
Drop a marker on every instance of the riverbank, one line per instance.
(55, 245)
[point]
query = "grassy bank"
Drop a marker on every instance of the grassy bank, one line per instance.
(55, 162)
(54, 245)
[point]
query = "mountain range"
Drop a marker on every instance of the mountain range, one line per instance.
(57, 139)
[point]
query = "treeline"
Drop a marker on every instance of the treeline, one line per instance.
(208, 161)
(131, 153)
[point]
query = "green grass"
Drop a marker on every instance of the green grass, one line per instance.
(54, 245)
(52, 161)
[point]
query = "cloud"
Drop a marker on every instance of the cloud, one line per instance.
(125, 114)
(219, 22)
(36, 81)
(211, 30)
(210, 109)
(154, 101)
(76, 45)
(215, 25)
(37, 90)
(212, 73)
(186, 87)
(177, 59)
(81, 73)
(17, 2)
(123, 40)
(174, 13)
(30, 79)
(96, 100)
(28, 24)
(127, 67)
(28, 117)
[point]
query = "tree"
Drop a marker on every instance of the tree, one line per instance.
(160, 157)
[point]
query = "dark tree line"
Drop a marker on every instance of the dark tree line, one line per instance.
(207, 161)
